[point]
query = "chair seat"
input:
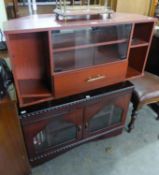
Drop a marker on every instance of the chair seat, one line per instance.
(146, 88)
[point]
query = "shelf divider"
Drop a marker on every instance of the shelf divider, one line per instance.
(138, 43)
(90, 45)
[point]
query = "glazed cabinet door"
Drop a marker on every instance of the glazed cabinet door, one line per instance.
(105, 113)
(90, 46)
(54, 131)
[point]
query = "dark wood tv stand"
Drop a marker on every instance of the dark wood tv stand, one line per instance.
(71, 77)
(54, 128)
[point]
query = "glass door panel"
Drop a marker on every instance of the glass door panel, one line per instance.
(106, 117)
(86, 57)
(58, 130)
(89, 35)
(79, 48)
(55, 133)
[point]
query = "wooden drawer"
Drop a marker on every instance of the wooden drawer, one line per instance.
(78, 81)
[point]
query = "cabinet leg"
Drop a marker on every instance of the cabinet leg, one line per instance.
(132, 121)
(157, 118)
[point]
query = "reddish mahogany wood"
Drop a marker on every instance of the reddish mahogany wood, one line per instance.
(73, 82)
(132, 73)
(33, 88)
(47, 22)
(30, 41)
(13, 158)
(141, 42)
(138, 43)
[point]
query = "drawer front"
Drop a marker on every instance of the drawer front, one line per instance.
(74, 82)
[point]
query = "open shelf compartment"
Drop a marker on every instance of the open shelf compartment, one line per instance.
(32, 72)
(33, 88)
(137, 58)
(142, 34)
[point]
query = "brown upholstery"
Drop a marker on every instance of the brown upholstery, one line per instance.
(146, 92)
(147, 88)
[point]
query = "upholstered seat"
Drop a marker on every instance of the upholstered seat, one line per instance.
(146, 92)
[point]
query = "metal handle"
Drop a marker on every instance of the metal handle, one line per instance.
(79, 127)
(98, 77)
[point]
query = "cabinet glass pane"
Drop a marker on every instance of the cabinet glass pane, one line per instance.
(90, 35)
(108, 116)
(78, 48)
(56, 132)
(79, 58)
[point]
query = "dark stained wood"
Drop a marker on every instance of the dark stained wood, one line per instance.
(79, 112)
(137, 58)
(13, 158)
(143, 31)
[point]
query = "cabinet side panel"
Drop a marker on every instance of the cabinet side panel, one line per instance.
(28, 55)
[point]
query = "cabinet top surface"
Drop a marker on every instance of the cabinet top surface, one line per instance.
(47, 22)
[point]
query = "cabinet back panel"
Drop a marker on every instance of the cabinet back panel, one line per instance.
(137, 58)
(29, 56)
(143, 31)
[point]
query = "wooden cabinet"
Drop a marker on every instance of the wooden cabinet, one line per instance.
(13, 157)
(49, 131)
(52, 59)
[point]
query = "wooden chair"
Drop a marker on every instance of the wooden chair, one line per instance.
(146, 92)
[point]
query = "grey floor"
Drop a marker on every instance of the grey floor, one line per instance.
(128, 154)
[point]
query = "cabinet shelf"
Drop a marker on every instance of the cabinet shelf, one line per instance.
(132, 73)
(90, 45)
(136, 42)
(33, 88)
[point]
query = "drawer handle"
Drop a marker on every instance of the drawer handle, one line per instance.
(98, 77)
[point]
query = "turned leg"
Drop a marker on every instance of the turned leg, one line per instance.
(157, 118)
(133, 118)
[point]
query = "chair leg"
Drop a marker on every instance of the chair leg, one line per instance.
(133, 118)
(157, 118)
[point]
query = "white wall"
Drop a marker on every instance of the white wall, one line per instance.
(3, 16)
